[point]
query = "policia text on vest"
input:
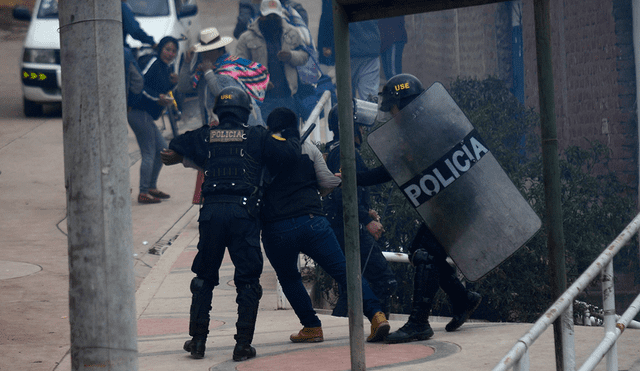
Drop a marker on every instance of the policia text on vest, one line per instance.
(446, 170)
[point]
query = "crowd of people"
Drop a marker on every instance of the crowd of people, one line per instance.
(260, 181)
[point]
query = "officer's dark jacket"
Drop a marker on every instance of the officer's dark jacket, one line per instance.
(234, 168)
(292, 193)
(333, 202)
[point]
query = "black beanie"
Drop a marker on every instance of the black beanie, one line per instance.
(282, 118)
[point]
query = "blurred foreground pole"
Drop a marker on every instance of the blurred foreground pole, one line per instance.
(102, 312)
(551, 170)
(349, 196)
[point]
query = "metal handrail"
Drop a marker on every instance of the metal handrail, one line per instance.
(518, 357)
(323, 105)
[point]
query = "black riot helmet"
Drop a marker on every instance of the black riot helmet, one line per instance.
(400, 90)
(364, 114)
(233, 101)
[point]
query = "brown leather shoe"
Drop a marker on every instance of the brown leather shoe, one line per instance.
(308, 335)
(158, 194)
(145, 198)
(379, 328)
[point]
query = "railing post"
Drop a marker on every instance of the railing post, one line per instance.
(568, 339)
(523, 363)
(610, 319)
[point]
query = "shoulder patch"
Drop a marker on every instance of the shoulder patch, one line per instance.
(277, 137)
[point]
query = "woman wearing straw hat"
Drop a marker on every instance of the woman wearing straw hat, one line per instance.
(209, 68)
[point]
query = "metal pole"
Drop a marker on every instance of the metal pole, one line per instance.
(610, 318)
(349, 198)
(562, 304)
(568, 339)
(102, 312)
(551, 171)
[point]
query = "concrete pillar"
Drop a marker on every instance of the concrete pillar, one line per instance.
(101, 280)
(349, 195)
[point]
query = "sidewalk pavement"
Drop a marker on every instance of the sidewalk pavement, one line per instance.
(163, 300)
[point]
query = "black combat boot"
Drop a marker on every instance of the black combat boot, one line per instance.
(417, 328)
(463, 301)
(463, 313)
(242, 352)
(248, 300)
(202, 293)
(196, 347)
(424, 290)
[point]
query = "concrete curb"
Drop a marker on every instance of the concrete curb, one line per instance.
(152, 282)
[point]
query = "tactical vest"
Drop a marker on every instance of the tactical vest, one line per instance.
(230, 170)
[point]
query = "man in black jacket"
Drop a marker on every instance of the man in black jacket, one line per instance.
(294, 223)
(232, 156)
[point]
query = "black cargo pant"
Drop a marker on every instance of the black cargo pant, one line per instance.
(227, 225)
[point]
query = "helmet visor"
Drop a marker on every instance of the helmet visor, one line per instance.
(384, 102)
(384, 112)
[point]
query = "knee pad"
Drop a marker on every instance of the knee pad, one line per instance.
(196, 285)
(253, 291)
(421, 257)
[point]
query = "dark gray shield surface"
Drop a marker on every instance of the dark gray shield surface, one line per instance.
(447, 173)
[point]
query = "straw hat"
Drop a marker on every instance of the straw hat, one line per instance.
(271, 7)
(210, 39)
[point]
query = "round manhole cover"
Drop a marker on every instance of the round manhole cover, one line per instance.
(17, 269)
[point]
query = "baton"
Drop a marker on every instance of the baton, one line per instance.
(307, 133)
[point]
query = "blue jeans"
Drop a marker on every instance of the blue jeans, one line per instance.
(311, 235)
(365, 77)
(151, 143)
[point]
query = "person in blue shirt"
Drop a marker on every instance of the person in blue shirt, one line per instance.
(130, 26)
(364, 52)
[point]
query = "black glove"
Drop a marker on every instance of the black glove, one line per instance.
(170, 157)
(419, 257)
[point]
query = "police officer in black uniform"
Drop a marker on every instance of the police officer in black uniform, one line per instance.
(375, 267)
(427, 254)
(233, 156)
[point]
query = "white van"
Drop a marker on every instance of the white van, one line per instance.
(40, 64)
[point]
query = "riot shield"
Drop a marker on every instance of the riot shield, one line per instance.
(447, 173)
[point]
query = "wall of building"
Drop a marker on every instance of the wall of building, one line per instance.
(452, 43)
(594, 77)
(593, 66)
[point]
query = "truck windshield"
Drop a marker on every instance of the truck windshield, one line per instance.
(149, 8)
(141, 8)
(48, 9)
